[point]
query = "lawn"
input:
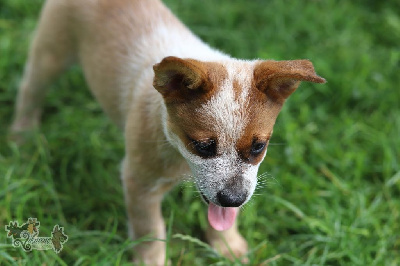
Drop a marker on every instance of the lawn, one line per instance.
(332, 192)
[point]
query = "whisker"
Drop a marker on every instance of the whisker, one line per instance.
(276, 144)
(245, 207)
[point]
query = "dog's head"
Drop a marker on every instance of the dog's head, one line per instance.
(220, 116)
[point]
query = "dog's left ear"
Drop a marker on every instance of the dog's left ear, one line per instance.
(279, 79)
(180, 79)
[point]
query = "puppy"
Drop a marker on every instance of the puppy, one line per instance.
(157, 81)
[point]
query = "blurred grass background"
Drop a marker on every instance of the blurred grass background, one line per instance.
(333, 193)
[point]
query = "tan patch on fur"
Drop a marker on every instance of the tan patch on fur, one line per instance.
(262, 114)
(183, 102)
(188, 124)
(273, 82)
(186, 80)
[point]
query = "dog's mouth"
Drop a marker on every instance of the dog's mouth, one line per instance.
(220, 218)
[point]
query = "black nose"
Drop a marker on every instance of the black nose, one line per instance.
(230, 199)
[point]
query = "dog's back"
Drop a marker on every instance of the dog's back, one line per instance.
(116, 43)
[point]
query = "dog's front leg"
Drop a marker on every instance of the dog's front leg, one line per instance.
(229, 243)
(143, 203)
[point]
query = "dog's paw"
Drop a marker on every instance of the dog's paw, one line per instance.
(20, 133)
(150, 253)
(234, 246)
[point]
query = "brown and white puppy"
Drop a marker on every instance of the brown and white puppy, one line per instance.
(157, 81)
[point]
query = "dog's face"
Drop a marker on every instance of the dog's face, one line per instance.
(220, 117)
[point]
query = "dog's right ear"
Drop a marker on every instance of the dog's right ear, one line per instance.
(279, 79)
(180, 79)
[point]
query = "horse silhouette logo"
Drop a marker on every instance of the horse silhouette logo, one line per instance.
(27, 237)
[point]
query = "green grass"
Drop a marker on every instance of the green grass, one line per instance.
(336, 158)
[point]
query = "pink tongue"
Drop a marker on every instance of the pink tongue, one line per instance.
(221, 218)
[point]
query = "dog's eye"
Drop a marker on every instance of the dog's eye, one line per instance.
(257, 147)
(206, 149)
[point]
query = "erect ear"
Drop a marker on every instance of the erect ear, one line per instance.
(279, 79)
(180, 79)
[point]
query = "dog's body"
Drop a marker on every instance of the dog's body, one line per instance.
(216, 112)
